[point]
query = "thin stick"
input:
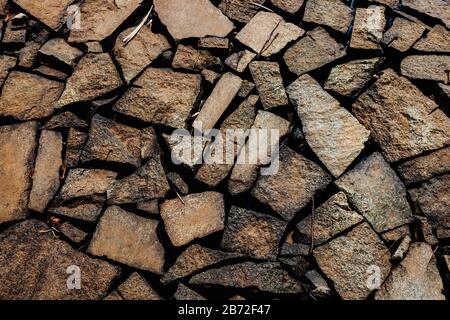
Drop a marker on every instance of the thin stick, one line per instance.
(176, 191)
(138, 28)
(261, 6)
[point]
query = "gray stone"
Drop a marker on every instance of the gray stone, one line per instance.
(239, 61)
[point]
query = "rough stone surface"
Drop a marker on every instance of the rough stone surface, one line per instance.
(100, 18)
(199, 18)
(429, 67)
(267, 33)
(64, 120)
(403, 34)
(433, 198)
(195, 258)
(46, 171)
(330, 130)
(269, 84)
(293, 187)
(178, 182)
(240, 10)
(26, 104)
(374, 189)
(214, 43)
(137, 288)
(349, 79)
(18, 144)
(46, 260)
(437, 40)
(401, 119)
(200, 215)
(53, 14)
(239, 61)
(59, 50)
(75, 235)
(161, 96)
(94, 76)
(434, 8)
(290, 6)
(184, 293)
(330, 219)
(253, 234)
(266, 277)
(426, 167)
(192, 59)
(416, 278)
(313, 51)
(347, 259)
(368, 28)
(86, 208)
(151, 206)
(135, 240)
(396, 234)
(75, 144)
(7, 63)
(332, 13)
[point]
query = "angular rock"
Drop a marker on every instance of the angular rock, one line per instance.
(332, 132)
(429, 67)
(349, 259)
(253, 234)
(434, 8)
(86, 208)
(46, 171)
(147, 183)
(368, 28)
(402, 249)
(29, 53)
(195, 258)
(136, 55)
(178, 182)
(349, 79)
(437, 40)
(135, 240)
(321, 289)
(240, 10)
(290, 6)
(75, 144)
(331, 13)
(293, 187)
(396, 234)
(200, 215)
(200, 18)
(137, 288)
(269, 83)
(53, 13)
(214, 43)
(426, 167)
(219, 100)
(210, 76)
(186, 294)
(73, 233)
(64, 120)
(100, 18)
(403, 34)
(239, 61)
(374, 189)
(21, 102)
(267, 34)
(192, 59)
(7, 63)
(266, 277)
(17, 152)
(94, 76)
(403, 121)
(313, 51)
(42, 269)
(298, 265)
(295, 249)
(151, 206)
(14, 36)
(330, 219)
(161, 96)
(59, 50)
(433, 198)
(51, 73)
(416, 278)
(246, 88)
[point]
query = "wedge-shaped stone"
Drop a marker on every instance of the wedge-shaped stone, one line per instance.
(438, 9)
(368, 28)
(331, 13)
(437, 40)
(65, 120)
(240, 10)
(58, 50)
(75, 144)
(184, 293)
(330, 130)
(403, 121)
(416, 278)
(135, 240)
(313, 51)
(290, 6)
(376, 192)
(53, 13)
(269, 83)
(403, 34)
(17, 152)
(429, 67)
(87, 208)
(200, 215)
(350, 259)
(161, 96)
(137, 288)
(199, 18)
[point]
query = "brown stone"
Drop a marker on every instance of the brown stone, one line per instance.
(240, 10)
(330, 130)
(7, 63)
(59, 50)
(267, 33)
(200, 215)
(75, 235)
(86, 208)
(161, 96)
(253, 234)
(429, 67)
(136, 55)
(293, 186)
(434, 8)
(18, 100)
(18, 144)
(403, 34)
(401, 119)
(239, 61)
(192, 59)
(246, 88)
(437, 40)
(331, 13)
(51, 73)
(269, 83)
(313, 51)
(151, 206)
(37, 266)
(64, 120)
(137, 288)
(53, 13)
(290, 6)
(195, 258)
(348, 261)
(135, 240)
(200, 18)
(376, 192)
(14, 36)
(178, 182)
(416, 278)
(396, 234)
(368, 28)
(214, 43)
(186, 294)
(46, 171)
(75, 144)
(94, 76)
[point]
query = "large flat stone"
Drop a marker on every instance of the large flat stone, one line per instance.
(368, 28)
(331, 13)
(429, 67)
(269, 83)
(436, 40)
(52, 13)
(438, 9)
(240, 10)
(403, 34)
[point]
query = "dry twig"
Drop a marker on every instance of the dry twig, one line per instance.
(139, 27)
